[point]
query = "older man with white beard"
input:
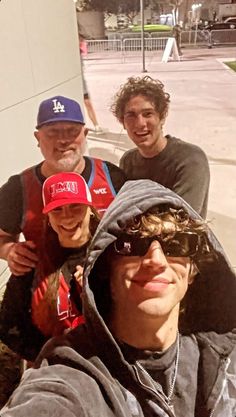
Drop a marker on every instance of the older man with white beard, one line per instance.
(61, 136)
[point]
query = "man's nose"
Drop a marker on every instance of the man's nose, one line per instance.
(64, 136)
(155, 257)
(140, 120)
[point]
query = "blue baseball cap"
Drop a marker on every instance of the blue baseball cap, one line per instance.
(59, 109)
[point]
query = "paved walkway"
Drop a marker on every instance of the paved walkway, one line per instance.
(202, 111)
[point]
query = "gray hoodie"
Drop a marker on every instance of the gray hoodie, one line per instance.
(84, 372)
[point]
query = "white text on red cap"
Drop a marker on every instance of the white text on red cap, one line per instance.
(60, 187)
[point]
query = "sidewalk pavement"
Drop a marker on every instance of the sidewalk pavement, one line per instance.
(202, 111)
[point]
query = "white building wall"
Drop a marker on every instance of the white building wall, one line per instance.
(39, 58)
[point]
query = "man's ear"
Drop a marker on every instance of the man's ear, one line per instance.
(122, 123)
(162, 121)
(36, 135)
(193, 271)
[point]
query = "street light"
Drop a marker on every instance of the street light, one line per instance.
(196, 12)
(142, 34)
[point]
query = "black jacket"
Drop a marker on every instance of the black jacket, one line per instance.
(84, 373)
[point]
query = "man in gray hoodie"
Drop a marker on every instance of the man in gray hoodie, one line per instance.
(159, 302)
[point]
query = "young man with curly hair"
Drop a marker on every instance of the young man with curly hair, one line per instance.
(159, 302)
(141, 106)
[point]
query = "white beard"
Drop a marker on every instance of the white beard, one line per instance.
(67, 163)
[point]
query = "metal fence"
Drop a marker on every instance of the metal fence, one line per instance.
(192, 37)
(103, 45)
(221, 37)
(127, 35)
(123, 43)
(209, 38)
(124, 46)
(150, 44)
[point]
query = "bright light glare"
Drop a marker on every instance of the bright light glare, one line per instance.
(196, 6)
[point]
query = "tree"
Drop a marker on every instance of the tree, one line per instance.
(175, 4)
(106, 6)
(130, 8)
(158, 6)
(112, 6)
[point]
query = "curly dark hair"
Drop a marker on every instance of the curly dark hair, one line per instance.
(145, 86)
(164, 220)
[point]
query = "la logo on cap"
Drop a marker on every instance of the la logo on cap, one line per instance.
(58, 107)
(66, 186)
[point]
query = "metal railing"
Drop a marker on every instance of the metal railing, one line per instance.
(193, 37)
(104, 45)
(223, 37)
(150, 44)
(124, 43)
(127, 35)
(209, 38)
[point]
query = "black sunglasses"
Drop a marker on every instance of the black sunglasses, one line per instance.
(181, 244)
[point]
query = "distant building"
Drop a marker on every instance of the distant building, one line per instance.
(227, 10)
(91, 24)
(94, 23)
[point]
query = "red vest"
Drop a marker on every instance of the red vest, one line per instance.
(100, 185)
(65, 316)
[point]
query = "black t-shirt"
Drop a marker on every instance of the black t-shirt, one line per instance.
(161, 367)
(11, 195)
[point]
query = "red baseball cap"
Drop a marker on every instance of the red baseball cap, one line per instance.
(65, 188)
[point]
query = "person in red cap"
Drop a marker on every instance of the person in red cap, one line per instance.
(46, 301)
(61, 135)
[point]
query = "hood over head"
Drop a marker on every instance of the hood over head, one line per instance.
(210, 302)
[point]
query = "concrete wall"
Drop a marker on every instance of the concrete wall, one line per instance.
(39, 58)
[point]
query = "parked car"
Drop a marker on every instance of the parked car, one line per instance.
(230, 19)
(220, 26)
